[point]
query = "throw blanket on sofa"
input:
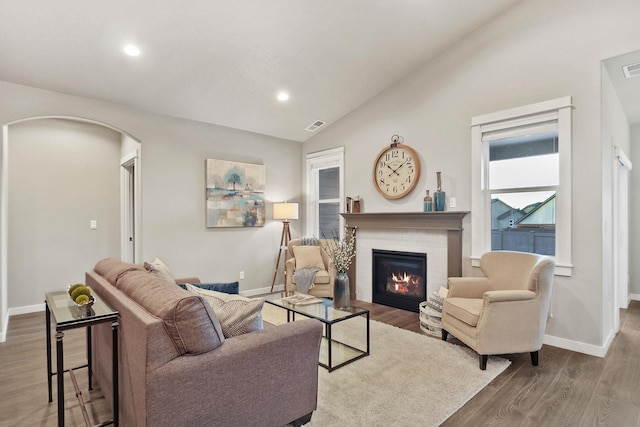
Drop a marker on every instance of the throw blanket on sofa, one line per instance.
(304, 279)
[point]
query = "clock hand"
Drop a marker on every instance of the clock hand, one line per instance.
(393, 171)
(396, 169)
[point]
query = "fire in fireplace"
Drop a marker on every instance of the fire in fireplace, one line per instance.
(399, 279)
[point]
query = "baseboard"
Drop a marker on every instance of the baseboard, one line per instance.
(634, 297)
(262, 291)
(3, 333)
(580, 347)
(15, 311)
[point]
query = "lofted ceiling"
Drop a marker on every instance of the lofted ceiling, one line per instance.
(224, 62)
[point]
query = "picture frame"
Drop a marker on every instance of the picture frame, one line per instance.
(234, 194)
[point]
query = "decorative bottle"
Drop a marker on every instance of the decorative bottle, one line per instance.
(439, 195)
(428, 203)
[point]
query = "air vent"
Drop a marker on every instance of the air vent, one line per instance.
(631, 70)
(315, 126)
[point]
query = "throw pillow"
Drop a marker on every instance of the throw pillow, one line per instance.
(160, 269)
(237, 314)
(308, 257)
(227, 288)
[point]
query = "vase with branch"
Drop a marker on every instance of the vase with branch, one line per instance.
(341, 251)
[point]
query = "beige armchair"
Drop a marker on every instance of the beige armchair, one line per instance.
(324, 278)
(505, 311)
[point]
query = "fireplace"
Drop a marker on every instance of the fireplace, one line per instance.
(399, 279)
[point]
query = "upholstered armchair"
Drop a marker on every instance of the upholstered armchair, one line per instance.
(505, 311)
(311, 256)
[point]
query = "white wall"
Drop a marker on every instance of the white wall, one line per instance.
(634, 215)
(173, 186)
(62, 175)
(534, 52)
(615, 133)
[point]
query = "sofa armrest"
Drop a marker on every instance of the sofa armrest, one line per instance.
(468, 287)
(268, 377)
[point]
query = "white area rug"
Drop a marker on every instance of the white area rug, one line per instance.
(409, 379)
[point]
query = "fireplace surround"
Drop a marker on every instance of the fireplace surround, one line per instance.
(399, 278)
(439, 234)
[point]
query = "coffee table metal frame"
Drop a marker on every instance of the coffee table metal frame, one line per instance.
(67, 315)
(329, 316)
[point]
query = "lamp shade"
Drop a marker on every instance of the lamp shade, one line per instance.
(285, 210)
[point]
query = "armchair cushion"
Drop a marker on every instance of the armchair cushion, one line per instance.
(308, 257)
(465, 309)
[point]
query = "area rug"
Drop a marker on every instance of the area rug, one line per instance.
(409, 379)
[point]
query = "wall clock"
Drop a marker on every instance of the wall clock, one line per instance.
(396, 170)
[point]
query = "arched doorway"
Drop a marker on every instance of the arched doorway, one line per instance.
(64, 185)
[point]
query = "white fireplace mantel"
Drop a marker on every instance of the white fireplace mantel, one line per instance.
(413, 220)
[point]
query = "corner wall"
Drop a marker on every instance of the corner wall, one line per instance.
(534, 52)
(634, 215)
(173, 187)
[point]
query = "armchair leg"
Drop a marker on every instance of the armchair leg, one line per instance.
(445, 335)
(302, 420)
(483, 361)
(534, 358)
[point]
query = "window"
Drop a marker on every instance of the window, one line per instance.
(522, 182)
(325, 193)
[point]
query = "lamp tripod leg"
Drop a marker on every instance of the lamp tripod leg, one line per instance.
(275, 274)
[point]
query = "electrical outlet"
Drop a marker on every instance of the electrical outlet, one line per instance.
(452, 202)
(242, 275)
(93, 224)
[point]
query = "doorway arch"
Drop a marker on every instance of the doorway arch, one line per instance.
(129, 150)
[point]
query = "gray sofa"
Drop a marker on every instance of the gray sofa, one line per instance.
(176, 368)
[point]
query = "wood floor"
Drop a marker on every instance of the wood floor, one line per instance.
(566, 389)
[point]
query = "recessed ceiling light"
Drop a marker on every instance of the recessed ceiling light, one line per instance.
(132, 50)
(283, 96)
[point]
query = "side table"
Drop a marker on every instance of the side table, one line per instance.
(67, 315)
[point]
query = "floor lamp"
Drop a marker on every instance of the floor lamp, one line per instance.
(284, 211)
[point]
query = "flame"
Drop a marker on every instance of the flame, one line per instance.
(405, 279)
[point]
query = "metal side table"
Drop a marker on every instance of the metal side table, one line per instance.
(67, 315)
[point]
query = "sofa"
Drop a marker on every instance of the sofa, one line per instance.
(177, 368)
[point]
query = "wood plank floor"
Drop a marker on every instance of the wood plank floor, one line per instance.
(566, 389)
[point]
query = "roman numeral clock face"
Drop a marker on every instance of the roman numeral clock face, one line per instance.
(396, 171)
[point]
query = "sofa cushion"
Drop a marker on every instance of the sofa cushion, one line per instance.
(227, 288)
(189, 320)
(464, 309)
(237, 314)
(308, 257)
(113, 269)
(160, 269)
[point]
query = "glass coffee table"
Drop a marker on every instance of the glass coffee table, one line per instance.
(333, 354)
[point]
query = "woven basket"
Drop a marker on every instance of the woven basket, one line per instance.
(430, 320)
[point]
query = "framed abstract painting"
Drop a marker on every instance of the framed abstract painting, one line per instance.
(235, 194)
